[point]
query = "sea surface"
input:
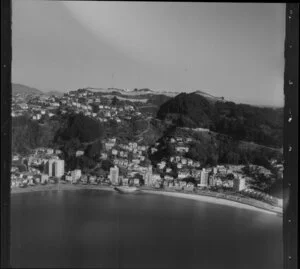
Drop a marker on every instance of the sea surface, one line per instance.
(94, 229)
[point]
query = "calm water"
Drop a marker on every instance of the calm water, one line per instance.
(90, 228)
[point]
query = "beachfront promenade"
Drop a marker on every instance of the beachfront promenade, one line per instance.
(199, 195)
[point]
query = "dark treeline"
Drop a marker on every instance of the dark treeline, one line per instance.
(210, 149)
(28, 134)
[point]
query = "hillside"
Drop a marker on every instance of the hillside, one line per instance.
(243, 122)
(22, 89)
(26, 90)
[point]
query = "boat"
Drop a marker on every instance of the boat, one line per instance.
(126, 189)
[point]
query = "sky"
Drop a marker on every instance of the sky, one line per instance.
(234, 50)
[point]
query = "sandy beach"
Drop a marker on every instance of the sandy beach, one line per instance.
(197, 197)
(62, 187)
(215, 200)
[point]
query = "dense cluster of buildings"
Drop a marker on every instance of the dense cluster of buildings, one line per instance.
(37, 107)
(131, 165)
(82, 101)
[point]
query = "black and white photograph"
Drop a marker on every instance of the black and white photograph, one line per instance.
(147, 134)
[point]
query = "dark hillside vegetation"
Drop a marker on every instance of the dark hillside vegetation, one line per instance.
(243, 122)
(28, 134)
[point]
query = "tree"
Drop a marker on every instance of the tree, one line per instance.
(190, 180)
(106, 165)
(93, 151)
(115, 101)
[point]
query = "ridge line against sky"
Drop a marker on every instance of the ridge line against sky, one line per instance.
(234, 49)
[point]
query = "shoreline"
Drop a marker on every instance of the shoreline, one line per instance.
(209, 198)
(213, 200)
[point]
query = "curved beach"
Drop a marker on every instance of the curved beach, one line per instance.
(214, 200)
(240, 203)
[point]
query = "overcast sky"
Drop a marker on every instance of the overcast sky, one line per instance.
(234, 50)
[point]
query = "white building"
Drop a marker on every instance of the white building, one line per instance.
(183, 174)
(203, 178)
(148, 176)
(50, 151)
(182, 149)
(76, 174)
(161, 165)
(114, 175)
(44, 178)
(114, 152)
(55, 168)
(59, 168)
(239, 184)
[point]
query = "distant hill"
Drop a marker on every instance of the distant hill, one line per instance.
(26, 90)
(243, 122)
(56, 93)
(22, 89)
(209, 97)
(135, 92)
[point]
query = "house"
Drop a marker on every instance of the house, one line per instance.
(124, 181)
(103, 156)
(218, 182)
(184, 161)
(182, 183)
(50, 151)
(109, 146)
(189, 186)
(215, 170)
(92, 179)
(179, 139)
(153, 150)
(143, 148)
(156, 178)
(190, 162)
(197, 164)
(161, 165)
(44, 178)
(134, 145)
(182, 149)
(107, 114)
(136, 181)
(68, 178)
(168, 178)
(136, 161)
(183, 174)
(114, 152)
(76, 174)
(168, 170)
(84, 179)
(79, 153)
(196, 173)
(179, 165)
(171, 185)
